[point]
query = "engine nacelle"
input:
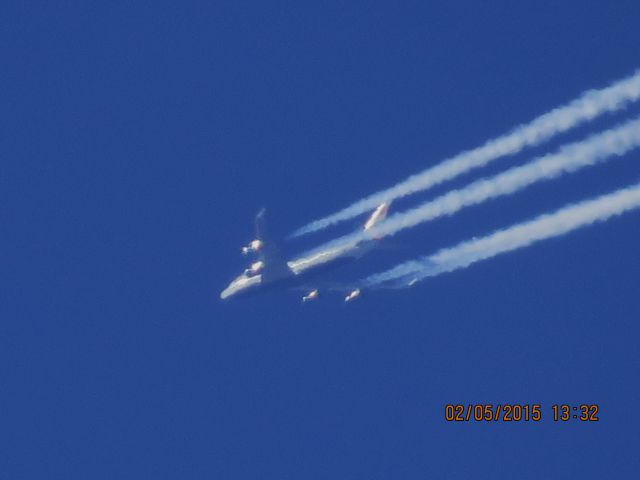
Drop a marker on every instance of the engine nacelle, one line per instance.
(254, 246)
(312, 295)
(254, 269)
(353, 295)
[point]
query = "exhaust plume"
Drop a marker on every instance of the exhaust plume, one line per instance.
(588, 106)
(518, 236)
(569, 158)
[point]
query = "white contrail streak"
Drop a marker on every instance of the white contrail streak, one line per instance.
(569, 158)
(585, 108)
(518, 236)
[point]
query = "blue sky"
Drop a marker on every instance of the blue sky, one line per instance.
(140, 140)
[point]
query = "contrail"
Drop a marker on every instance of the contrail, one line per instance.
(518, 236)
(588, 106)
(569, 158)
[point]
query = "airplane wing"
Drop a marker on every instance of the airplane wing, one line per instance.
(274, 264)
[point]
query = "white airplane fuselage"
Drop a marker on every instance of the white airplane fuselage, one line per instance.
(299, 271)
(271, 271)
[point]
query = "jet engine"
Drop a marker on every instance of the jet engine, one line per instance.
(254, 269)
(312, 295)
(353, 295)
(254, 246)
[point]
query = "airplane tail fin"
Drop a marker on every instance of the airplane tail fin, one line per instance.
(378, 215)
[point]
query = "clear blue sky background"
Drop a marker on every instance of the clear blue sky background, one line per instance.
(138, 139)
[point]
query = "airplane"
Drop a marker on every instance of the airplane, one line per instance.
(272, 271)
